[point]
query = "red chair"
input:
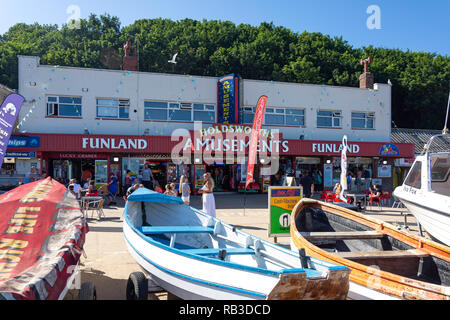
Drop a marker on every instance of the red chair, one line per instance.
(330, 197)
(323, 194)
(386, 196)
(376, 200)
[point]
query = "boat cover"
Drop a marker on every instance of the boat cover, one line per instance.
(42, 233)
(147, 195)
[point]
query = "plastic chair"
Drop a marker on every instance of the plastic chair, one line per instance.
(330, 197)
(386, 197)
(373, 200)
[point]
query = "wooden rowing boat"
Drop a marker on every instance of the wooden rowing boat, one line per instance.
(386, 263)
(195, 256)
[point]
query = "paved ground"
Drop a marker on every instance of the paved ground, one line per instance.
(108, 263)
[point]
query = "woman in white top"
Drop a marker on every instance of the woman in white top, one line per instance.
(185, 190)
(209, 204)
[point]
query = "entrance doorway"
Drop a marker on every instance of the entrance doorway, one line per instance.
(222, 175)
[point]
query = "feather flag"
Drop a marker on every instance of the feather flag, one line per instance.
(343, 168)
(257, 123)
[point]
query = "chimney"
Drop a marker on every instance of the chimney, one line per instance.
(130, 60)
(366, 79)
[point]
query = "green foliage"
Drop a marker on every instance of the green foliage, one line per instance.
(213, 48)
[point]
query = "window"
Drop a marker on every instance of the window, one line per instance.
(414, 176)
(173, 111)
(113, 108)
(295, 117)
(440, 173)
(277, 116)
(64, 106)
(155, 110)
(204, 112)
(363, 120)
(330, 119)
(248, 114)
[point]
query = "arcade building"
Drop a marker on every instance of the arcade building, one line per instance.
(81, 122)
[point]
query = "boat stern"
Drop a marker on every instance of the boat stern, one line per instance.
(297, 285)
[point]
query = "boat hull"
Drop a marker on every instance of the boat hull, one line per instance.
(183, 284)
(370, 282)
(434, 217)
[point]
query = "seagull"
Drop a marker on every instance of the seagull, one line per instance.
(389, 82)
(173, 58)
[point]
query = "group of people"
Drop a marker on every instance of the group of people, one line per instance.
(184, 189)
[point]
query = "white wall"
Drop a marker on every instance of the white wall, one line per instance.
(140, 86)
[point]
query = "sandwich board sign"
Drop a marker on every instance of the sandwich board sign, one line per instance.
(281, 201)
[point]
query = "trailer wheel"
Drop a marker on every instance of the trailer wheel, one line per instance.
(137, 286)
(87, 291)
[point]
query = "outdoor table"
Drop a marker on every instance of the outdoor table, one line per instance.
(355, 197)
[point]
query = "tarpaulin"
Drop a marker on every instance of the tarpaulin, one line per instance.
(42, 233)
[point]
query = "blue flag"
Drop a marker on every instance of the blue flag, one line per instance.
(9, 112)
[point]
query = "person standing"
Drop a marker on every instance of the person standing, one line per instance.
(358, 180)
(113, 187)
(208, 201)
(147, 177)
(185, 190)
(317, 180)
(308, 185)
(30, 175)
(127, 181)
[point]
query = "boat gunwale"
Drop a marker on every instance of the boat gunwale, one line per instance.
(382, 227)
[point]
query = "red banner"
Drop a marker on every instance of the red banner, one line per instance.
(257, 123)
(42, 232)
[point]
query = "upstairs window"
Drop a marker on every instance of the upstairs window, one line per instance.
(276, 116)
(363, 120)
(173, 111)
(329, 119)
(113, 108)
(60, 106)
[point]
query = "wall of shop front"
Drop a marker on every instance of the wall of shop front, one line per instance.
(36, 82)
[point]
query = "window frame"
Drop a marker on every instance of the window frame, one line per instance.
(57, 104)
(332, 117)
(412, 175)
(118, 107)
(172, 107)
(276, 111)
(367, 115)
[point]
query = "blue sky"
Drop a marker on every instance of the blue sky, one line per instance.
(405, 24)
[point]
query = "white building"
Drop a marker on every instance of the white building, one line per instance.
(66, 104)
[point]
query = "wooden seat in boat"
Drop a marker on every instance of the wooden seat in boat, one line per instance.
(215, 251)
(412, 253)
(311, 236)
(175, 229)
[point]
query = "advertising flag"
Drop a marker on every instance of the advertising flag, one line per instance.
(257, 123)
(343, 168)
(228, 99)
(9, 111)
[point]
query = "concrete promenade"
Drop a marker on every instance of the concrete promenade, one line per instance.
(108, 263)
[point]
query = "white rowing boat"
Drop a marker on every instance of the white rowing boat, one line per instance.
(195, 256)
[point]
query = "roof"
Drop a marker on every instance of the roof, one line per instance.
(419, 137)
